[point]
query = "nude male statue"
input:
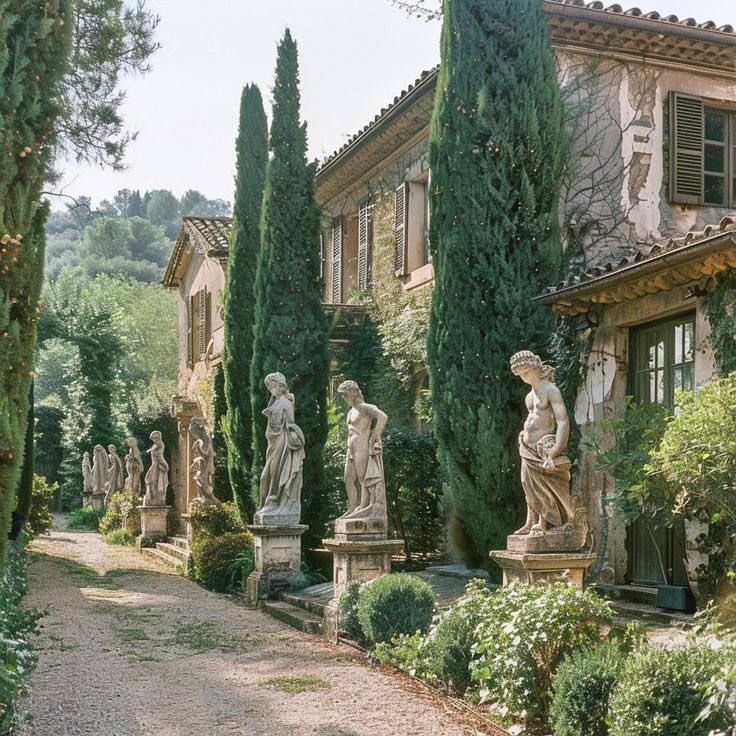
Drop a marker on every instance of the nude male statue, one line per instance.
(545, 471)
(364, 479)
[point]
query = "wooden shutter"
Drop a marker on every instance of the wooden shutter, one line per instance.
(337, 260)
(321, 254)
(195, 328)
(208, 319)
(202, 322)
(363, 244)
(190, 330)
(401, 202)
(686, 148)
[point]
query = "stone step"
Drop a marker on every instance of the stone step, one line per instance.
(650, 614)
(306, 603)
(162, 556)
(174, 550)
(181, 542)
(295, 617)
(640, 594)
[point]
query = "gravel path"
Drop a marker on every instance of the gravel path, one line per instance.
(130, 649)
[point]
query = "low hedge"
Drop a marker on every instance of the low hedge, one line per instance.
(393, 605)
(224, 562)
(86, 519)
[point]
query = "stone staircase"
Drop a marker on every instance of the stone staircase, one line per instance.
(174, 552)
(302, 610)
(637, 602)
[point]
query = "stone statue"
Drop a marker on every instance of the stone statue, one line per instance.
(157, 477)
(86, 479)
(203, 467)
(281, 479)
(133, 466)
(114, 473)
(364, 479)
(545, 470)
(99, 470)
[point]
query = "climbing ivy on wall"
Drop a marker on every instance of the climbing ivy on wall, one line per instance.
(719, 307)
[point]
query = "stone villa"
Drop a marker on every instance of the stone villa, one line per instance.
(646, 208)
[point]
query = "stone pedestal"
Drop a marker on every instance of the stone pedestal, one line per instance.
(549, 567)
(188, 521)
(86, 499)
(153, 525)
(97, 501)
(278, 555)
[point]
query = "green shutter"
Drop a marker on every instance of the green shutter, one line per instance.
(686, 148)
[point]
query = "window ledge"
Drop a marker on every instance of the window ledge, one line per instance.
(419, 277)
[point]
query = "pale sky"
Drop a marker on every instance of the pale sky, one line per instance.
(354, 56)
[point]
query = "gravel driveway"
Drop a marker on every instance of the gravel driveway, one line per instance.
(130, 649)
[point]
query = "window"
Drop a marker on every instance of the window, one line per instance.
(336, 244)
(664, 360)
(199, 325)
(365, 236)
(702, 152)
(412, 225)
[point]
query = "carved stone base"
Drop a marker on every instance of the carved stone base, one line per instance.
(97, 501)
(266, 519)
(363, 529)
(86, 499)
(521, 567)
(153, 525)
(360, 559)
(278, 555)
(570, 540)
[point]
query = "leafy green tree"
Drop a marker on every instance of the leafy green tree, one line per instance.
(162, 208)
(290, 325)
(34, 42)
(252, 157)
(135, 205)
(195, 203)
(496, 152)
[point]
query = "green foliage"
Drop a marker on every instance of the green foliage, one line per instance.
(221, 479)
(395, 604)
(218, 561)
(39, 519)
(497, 148)
(122, 513)
(582, 690)
(34, 47)
(696, 462)
(347, 617)
(214, 521)
(47, 449)
(719, 306)
(120, 536)
(163, 209)
(413, 488)
(252, 156)
(17, 626)
(405, 652)
(85, 518)
(291, 329)
(662, 692)
(525, 631)
(449, 647)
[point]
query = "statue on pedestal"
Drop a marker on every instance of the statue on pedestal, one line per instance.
(99, 470)
(114, 473)
(157, 477)
(364, 479)
(203, 466)
(545, 470)
(133, 466)
(86, 479)
(281, 479)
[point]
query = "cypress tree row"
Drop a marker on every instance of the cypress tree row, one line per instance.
(291, 328)
(496, 153)
(252, 157)
(34, 45)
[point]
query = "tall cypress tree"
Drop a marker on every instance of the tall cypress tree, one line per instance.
(291, 329)
(496, 152)
(34, 47)
(252, 157)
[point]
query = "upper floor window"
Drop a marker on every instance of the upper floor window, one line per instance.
(702, 152)
(199, 325)
(412, 225)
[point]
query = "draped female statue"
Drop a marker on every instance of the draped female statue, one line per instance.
(114, 473)
(86, 479)
(133, 466)
(281, 479)
(157, 477)
(99, 469)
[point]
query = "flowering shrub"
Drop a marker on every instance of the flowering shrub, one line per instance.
(122, 513)
(663, 692)
(524, 633)
(17, 624)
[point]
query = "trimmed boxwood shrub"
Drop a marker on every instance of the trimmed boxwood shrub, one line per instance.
(86, 518)
(214, 521)
(395, 604)
(223, 563)
(582, 690)
(120, 536)
(347, 621)
(661, 692)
